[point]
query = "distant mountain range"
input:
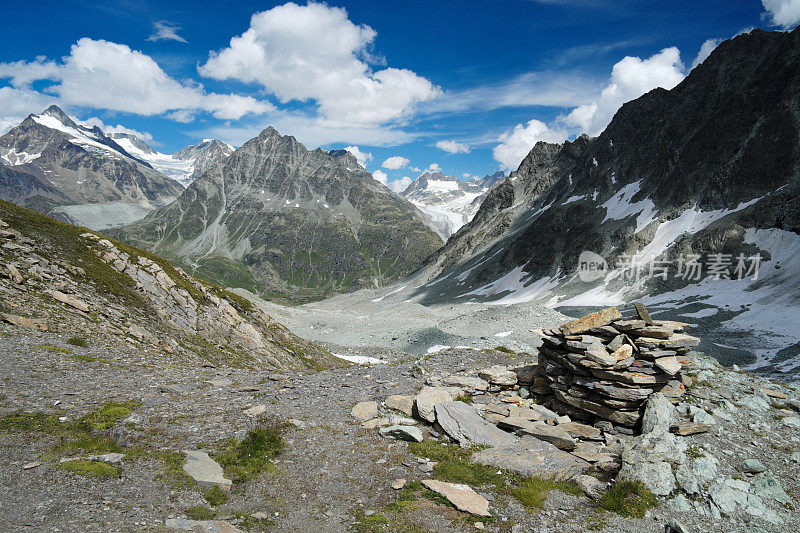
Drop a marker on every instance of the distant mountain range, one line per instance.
(83, 175)
(703, 177)
(290, 223)
(448, 202)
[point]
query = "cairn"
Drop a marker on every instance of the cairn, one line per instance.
(602, 367)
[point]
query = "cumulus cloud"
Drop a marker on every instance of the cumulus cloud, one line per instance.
(783, 13)
(100, 74)
(433, 167)
(166, 31)
(399, 185)
(395, 162)
(705, 50)
(314, 52)
(453, 147)
(630, 78)
(516, 144)
(361, 157)
(16, 104)
(381, 176)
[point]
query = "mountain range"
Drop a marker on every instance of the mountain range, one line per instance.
(290, 223)
(448, 202)
(703, 177)
(85, 176)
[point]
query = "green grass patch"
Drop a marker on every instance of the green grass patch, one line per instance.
(199, 512)
(248, 458)
(78, 341)
(88, 358)
(52, 349)
(173, 475)
(630, 499)
(532, 492)
(84, 443)
(93, 469)
(32, 423)
(215, 496)
(109, 414)
(251, 523)
(463, 397)
(505, 349)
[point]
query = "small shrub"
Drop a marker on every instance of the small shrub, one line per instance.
(199, 512)
(94, 469)
(628, 498)
(246, 459)
(215, 496)
(78, 341)
(109, 414)
(464, 397)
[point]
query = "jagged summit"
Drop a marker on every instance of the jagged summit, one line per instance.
(289, 222)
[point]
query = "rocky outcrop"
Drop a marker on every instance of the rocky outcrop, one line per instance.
(137, 295)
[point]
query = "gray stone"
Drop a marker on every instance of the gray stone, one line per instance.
(532, 457)
(461, 422)
(591, 486)
(752, 466)
(768, 487)
(402, 403)
(396, 420)
(365, 410)
(203, 469)
(670, 365)
(468, 383)
(499, 375)
(425, 402)
(658, 414)
(657, 477)
(681, 504)
(555, 435)
(674, 526)
(701, 416)
(408, 433)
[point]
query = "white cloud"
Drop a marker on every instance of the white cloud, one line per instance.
(705, 50)
(395, 162)
(361, 157)
(630, 78)
(314, 52)
(433, 167)
(166, 31)
(453, 147)
(16, 104)
(399, 185)
(380, 176)
(516, 144)
(783, 13)
(106, 75)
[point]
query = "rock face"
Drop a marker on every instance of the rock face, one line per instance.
(698, 169)
(289, 223)
(587, 379)
(461, 422)
(448, 202)
(78, 174)
(139, 295)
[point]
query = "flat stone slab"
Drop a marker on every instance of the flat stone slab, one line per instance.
(533, 457)
(210, 526)
(407, 433)
(427, 399)
(206, 471)
(461, 496)
(402, 403)
(365, 410)
(594, 320)
(463, 423)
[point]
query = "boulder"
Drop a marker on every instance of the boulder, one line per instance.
(658, 414)
(531, 457)
(555, 435)
(499, 375)
(591, 486)
(426, 401)
(402, 403)
(463, 423)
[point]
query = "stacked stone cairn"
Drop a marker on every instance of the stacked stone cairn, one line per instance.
(602, 368)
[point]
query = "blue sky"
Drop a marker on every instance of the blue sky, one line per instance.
(467, 87)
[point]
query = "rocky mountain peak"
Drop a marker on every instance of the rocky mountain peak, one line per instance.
(58, 114)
